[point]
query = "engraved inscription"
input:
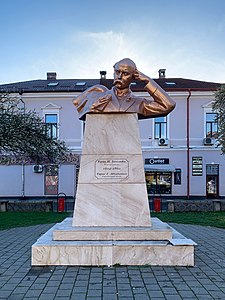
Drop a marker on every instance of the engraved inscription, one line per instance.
(112, 168)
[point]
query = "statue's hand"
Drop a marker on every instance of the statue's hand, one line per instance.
(101, 102)
(141, 77)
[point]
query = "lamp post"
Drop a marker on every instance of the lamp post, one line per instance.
(188, 144)
(23, 165)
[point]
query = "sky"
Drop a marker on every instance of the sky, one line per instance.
(78, 38)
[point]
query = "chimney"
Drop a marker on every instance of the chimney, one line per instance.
(103, 74)
(51, 75)
(162, 73)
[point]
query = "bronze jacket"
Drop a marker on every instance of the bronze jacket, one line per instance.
(99, 99)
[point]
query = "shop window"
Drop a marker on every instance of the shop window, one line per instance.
(160, 128)
(177, 177)
(51, 180)
(51, 121)
(159, 182)
(211, 125)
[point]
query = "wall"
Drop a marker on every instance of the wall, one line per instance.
(10, 180)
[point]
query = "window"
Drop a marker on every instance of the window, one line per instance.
(212, 169)
(211, 125)
(160, 128)
(171, 83)
(177, 177)
(84, 124)
(51, 121)
(53, 83)
(51, 180)
(158, 182)
(81, 83)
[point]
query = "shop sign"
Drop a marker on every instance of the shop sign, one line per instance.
(197, 166)
(157, 161)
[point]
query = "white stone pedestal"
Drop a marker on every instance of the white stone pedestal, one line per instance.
(67, 245)
(111, 185)
(111, 222)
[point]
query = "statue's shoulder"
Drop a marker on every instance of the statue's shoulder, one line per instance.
(90, 92)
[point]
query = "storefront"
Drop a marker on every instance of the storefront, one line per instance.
(169, 176)
(159, 174)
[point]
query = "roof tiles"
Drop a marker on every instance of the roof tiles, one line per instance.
(74, 85)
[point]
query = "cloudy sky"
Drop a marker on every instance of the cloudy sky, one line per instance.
(78, 38)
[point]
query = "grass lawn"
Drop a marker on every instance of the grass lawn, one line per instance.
(20, 219)
(215, 219)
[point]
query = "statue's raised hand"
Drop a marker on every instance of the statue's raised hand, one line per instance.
(141, 77)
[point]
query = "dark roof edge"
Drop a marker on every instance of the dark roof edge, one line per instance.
(191, 89)
(80, 91)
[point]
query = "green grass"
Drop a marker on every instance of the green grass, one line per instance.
(21, 219)
(215, 219)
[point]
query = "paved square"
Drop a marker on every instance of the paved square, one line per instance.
(204, 281)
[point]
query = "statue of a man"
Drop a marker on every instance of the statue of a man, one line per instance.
(120, 99)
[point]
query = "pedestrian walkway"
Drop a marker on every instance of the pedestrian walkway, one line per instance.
(204, 281)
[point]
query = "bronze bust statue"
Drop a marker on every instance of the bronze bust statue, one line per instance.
(120, 99)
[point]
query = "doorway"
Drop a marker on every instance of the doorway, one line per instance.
(212, 186)
(212, 180)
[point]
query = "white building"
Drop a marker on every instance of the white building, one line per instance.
(182, 158)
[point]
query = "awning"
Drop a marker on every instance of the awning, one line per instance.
(160, 168)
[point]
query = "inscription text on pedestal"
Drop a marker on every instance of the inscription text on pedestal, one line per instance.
(111, 168)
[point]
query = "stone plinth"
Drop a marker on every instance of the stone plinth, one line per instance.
(65, 231)
(176, 251)
(111, 185)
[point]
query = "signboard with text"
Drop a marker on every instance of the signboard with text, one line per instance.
(157, 161)
(197, 166)
(111, 168)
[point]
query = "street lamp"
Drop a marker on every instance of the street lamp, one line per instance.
(23, 165)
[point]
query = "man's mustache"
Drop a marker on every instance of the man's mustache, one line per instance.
(117, 81)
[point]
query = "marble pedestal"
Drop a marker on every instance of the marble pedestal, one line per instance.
(111, 222)
(146, 247)
(111, 185)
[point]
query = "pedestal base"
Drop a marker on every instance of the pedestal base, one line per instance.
(176, 251)
(65, 231)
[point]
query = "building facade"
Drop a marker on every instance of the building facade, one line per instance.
(181, 156)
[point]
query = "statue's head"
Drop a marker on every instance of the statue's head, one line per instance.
(124, 71)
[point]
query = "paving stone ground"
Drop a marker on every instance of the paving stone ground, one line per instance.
(18, 280)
